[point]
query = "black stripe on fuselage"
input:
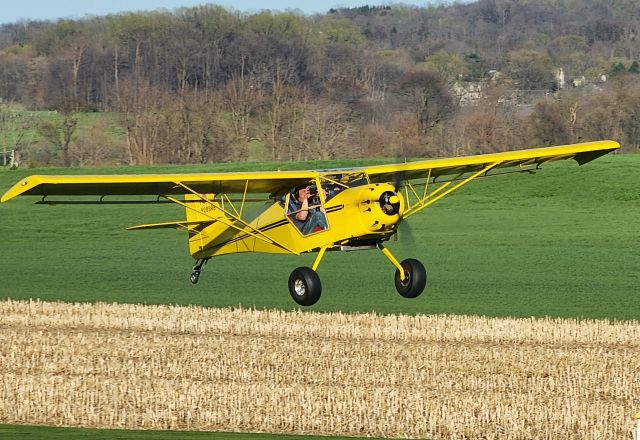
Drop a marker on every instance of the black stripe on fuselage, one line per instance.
(265, 228)
(245, 235)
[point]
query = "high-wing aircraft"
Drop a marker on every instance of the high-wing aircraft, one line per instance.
(304, 211)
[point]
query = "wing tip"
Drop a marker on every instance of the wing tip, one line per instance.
(23, 186)
(15, 191)
(606, 147)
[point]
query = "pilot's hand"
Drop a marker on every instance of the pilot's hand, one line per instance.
(305, 194)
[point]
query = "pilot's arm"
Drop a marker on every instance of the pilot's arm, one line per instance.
(304, 209)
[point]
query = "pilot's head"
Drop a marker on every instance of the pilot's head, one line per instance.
(300, 192)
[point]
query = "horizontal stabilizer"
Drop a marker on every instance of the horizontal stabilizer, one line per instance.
(172, 225)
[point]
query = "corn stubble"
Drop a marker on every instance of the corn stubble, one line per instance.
(452, 377)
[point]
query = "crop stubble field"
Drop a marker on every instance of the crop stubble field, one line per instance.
(193, 368)
(562, 244)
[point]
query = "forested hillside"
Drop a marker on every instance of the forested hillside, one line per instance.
(206, 84)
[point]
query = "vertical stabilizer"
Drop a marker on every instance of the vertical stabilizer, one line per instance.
(200, 215)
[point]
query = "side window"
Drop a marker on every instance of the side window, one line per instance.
(305, 209)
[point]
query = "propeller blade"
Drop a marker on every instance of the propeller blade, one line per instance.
(405, 233)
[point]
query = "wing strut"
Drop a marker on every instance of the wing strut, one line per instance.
(430, 199)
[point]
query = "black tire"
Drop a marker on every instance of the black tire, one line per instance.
(304, 286)
(414, 284)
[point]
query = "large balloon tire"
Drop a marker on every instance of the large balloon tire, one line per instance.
(304, 286)
(415, 280)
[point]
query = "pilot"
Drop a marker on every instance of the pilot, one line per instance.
(307, 219)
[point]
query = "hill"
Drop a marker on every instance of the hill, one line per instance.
(205, 84)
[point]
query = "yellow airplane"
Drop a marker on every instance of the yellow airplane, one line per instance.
(306, 211)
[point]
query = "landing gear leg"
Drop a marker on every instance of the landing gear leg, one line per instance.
(195, 273)
(411, 276)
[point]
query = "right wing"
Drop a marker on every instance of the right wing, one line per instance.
(272, 182)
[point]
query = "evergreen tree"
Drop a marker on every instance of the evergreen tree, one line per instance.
(616, 69)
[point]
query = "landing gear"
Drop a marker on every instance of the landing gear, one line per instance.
(304, 286)
(304, 283)
(411, 276)
(195, 273)
(414, 281)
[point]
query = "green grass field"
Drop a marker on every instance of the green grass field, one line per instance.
(562, 243)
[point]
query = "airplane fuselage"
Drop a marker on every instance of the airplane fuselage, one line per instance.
(356, 216)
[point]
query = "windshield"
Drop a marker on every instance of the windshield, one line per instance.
(345, 180)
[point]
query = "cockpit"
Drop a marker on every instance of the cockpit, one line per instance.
(305, 204)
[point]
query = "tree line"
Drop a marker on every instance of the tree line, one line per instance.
(204, 84)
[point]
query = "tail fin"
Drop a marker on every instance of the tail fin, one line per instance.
(202, 222)
(205, 224)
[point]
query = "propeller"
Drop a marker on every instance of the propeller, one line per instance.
(404, 233)
(398, 179)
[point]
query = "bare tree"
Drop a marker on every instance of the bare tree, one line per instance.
(59, 132)
(199, 133)
(327, 131)
(278, 79)
(486, 132)
(547, 125)
(16, 132)
(95, 146)
(242, 95)
(408, 139)
(143, 122)
(427, 96)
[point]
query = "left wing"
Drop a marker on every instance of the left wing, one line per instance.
(582, 153)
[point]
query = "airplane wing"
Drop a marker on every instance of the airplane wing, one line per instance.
(581, 153)
(277, 182)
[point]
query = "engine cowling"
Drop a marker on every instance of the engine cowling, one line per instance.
(381, 207)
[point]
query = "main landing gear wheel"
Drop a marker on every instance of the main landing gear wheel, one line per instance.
(194, 276)
(304, 286)
(415, 278)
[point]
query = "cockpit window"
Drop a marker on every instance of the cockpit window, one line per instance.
(305, 209)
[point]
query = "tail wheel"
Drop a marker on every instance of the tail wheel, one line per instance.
(415, 278)
(304, 286)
